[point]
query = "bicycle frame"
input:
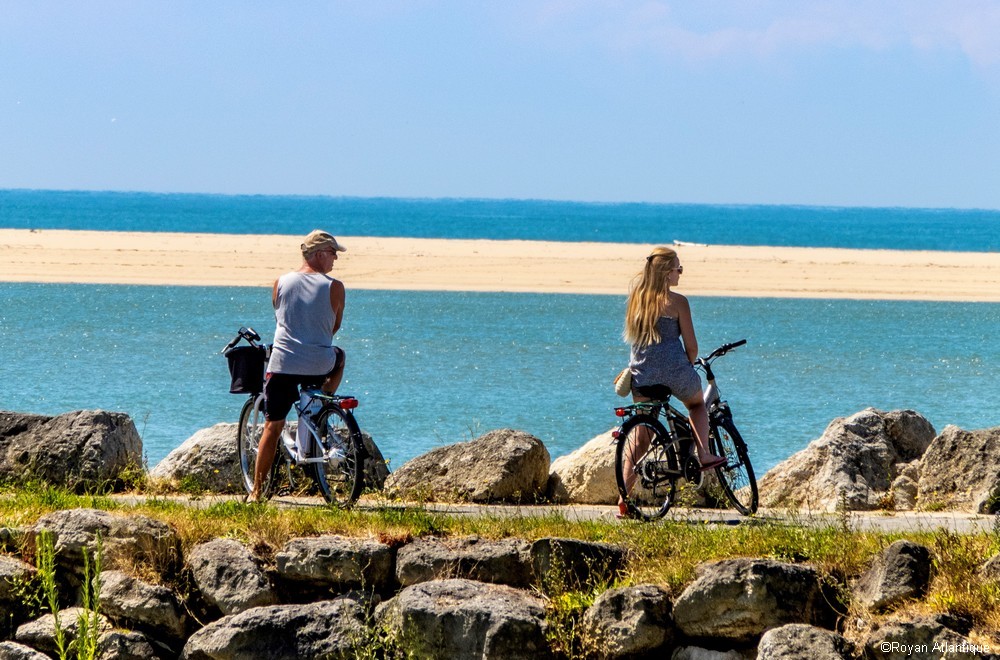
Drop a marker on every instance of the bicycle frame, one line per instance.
(345, 403)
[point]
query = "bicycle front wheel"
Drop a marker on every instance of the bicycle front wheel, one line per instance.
(248, 433)
(736, 476)
(340, 475)
(646, 467)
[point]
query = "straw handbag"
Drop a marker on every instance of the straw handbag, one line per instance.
(623, 382)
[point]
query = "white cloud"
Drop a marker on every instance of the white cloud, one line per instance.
(707, 29)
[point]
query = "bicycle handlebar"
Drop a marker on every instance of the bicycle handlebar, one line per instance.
(722, 350)
(244, 333)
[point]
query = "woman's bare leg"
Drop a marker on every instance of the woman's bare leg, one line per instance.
(698, 416)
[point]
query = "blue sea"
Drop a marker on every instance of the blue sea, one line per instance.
(433, 368)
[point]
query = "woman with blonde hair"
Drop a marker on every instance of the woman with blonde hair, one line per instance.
(659, 329)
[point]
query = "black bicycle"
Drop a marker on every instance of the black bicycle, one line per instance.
(330, 449)
(653, 455)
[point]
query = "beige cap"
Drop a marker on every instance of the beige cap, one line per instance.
(318, 240)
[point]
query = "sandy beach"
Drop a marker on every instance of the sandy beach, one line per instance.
(483, 265)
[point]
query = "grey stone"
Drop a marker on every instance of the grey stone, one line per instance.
(961, 471)
(501, 466)
(575, 564)
(630, 622)
(851, 466)
(901, 572)
(125, 599)
(465, 620)
(326, 629)
(15, 651)
(699, 653)
(229, 576)
(81, 449)
(126, 540)
(586, 475)
(125, 645)
(739, 599)
(506, 561)
(797, 640)
(991, 569)
(923, 638)
(40, 634)
(337, 563)
(904, 493)
(207, 460)
(14, 574)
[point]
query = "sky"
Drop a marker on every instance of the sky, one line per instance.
(831, 103)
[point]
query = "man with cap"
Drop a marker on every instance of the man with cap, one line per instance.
(308, 308)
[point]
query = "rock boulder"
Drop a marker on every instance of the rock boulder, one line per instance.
(452, 619)
(901, 572)
(229, 576)
(85, 449)
(852, 465)
(587, 475)
(501, 466)
(739, 599)
(206, 461)
(326, 629)
(960, 471)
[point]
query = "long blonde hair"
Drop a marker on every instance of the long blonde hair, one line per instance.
(649, 291)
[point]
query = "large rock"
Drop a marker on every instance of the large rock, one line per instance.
(130, 645)
(149, 607)
(336, 563)
(327, 629)
(739, 599)
(960, 471)
(561, 563)
(506, 561)
(901, 572)
(15, 651)
(206, 461)
(40, 634)
(501, 466)
(587, 475)
(923, 638)
(798, 640)
(229, 576)
(852, 465)
(15, 576)
(85, 449)
(127, 540)
(630, 622)
(467, 620)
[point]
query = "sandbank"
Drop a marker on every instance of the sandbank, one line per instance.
(486, 265)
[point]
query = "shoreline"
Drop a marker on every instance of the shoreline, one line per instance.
(152, 258)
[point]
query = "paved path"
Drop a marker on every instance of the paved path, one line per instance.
(963, 523)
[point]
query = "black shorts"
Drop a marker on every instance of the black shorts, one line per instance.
(281, 391)
(652, 392)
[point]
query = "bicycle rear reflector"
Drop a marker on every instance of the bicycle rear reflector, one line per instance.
(621, 412)
(348, 404)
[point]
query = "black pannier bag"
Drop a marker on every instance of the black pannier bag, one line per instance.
(246, 367)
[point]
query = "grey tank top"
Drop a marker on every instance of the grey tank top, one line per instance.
(303, 339)
(663, 362)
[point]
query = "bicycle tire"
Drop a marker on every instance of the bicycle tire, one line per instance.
(737, 479)
(248, 432)
(653, 491)
(340, 477)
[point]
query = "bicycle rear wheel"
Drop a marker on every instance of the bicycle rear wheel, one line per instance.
(340, 476)
(646, 467)
(248, 433)
(736, 476)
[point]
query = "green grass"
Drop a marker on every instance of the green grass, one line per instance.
(665, 553)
